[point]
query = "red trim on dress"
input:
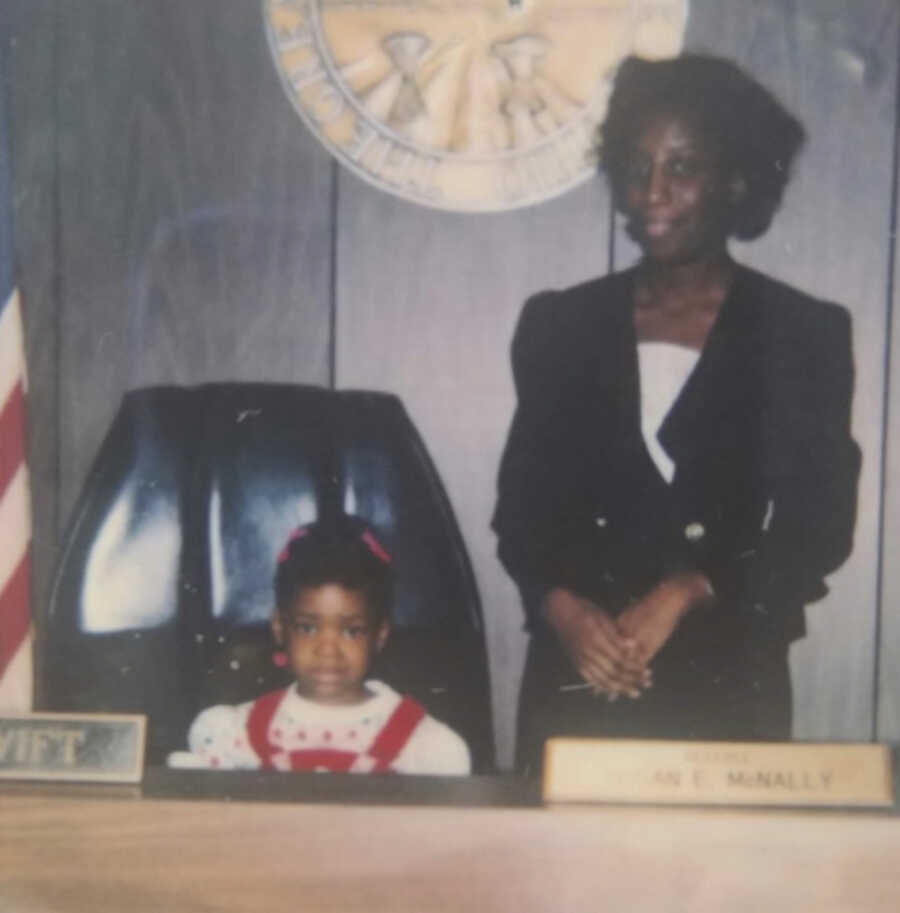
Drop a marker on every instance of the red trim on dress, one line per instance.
(388, 744)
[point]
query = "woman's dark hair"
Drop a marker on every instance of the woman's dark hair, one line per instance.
(757, 136)
(345, 551)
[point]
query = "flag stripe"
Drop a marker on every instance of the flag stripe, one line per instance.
(16, 672)
(12, 357)
(14, 623)
(15, 517)
(12, 442)
(16, 684)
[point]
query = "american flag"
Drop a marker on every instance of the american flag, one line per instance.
(15, 510)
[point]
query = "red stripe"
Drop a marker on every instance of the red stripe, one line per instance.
(12, 435)
(396, 732)
(14, 611)
(258, 722)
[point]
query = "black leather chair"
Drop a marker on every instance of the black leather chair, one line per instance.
(164, 591)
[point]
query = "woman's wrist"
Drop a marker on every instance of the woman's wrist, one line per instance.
(692, 588)
(558, 606)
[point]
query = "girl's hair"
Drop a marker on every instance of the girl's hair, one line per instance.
(345, 551)
(756, 135)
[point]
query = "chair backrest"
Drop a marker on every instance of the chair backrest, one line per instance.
(163, 596)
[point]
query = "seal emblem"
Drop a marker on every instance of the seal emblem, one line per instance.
(468, 105)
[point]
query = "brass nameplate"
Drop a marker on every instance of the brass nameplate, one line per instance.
(99, 747)
(732, 773)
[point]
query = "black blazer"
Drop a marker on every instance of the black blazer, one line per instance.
(763, 499)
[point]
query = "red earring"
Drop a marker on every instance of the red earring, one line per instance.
(279, 658)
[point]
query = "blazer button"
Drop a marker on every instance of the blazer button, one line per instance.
(694, 532)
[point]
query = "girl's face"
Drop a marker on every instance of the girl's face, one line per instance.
(331, 642)
(675, 191)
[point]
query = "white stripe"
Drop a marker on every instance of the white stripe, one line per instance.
(15, 524)
(12, 348)
(16, 683)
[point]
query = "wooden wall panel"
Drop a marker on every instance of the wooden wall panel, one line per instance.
(427, 302)
(834, 65)
(888, 682)
(30, 58)
(844, 76)
(195, 212)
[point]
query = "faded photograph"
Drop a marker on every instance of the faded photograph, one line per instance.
(459, 388)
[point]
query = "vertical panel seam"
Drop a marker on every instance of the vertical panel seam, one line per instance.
(57, 283)
(333, 276)
(885, 406)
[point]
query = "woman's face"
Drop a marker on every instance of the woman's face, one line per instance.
(675, 191)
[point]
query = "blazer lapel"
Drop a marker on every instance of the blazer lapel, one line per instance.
(723, 390)
(610, 364)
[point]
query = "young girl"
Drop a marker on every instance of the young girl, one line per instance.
(332, 592)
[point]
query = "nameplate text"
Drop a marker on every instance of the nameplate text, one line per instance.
(61, 746)
(721, 773)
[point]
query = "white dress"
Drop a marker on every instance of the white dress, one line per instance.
(219, 737)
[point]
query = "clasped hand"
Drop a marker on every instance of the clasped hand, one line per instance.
(613, 655)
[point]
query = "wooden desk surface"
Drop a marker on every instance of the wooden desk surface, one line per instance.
(118, 850)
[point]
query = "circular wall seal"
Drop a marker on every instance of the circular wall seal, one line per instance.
(470, 105)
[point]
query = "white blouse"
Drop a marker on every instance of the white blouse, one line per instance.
(664, 369)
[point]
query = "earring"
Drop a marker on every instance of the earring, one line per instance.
(279, 658)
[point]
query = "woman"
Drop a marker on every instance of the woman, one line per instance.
(679, 476)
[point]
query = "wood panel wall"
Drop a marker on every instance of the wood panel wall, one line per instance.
(888, 666)
(834, 65)
(177, 223)
(194, 212)
(30, 58)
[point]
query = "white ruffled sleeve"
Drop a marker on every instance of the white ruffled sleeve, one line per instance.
(217, 740)
(436, 750)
